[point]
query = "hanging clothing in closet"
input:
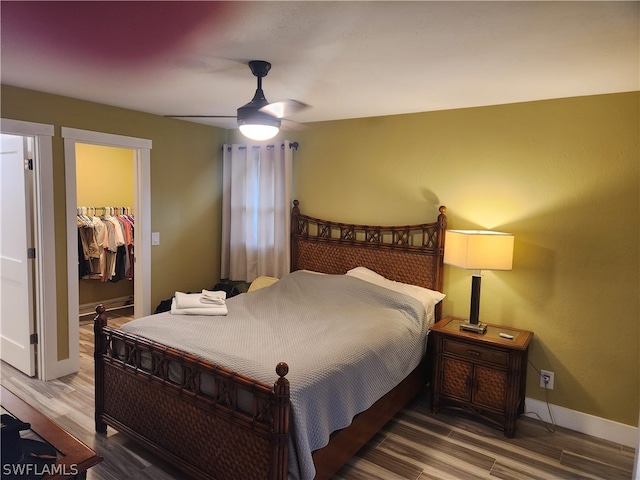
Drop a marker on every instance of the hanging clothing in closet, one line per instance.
(105, 245)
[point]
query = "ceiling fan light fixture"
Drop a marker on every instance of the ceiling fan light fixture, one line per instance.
(259, 132)
(253, 123)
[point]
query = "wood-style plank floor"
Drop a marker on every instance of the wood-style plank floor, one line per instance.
(415, 445)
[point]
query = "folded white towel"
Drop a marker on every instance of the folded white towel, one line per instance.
(213, 297)
(201, 310)
(189, 300)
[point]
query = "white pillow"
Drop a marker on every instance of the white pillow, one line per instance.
(427, 297)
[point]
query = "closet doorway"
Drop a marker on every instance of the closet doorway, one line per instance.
(105, 195)
(88, 156)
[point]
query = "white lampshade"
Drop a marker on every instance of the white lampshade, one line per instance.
(259, 132)
(479, 249)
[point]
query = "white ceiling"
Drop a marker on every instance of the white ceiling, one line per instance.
(345, 59)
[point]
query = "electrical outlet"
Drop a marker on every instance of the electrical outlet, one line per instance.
(546, 379)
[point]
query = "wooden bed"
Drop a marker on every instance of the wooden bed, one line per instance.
(214, 435)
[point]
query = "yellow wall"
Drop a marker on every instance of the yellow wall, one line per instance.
(104, 177)
(562, 175)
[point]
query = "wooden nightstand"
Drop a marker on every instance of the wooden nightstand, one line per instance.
(483, 375)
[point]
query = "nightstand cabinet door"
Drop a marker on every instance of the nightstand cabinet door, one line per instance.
(475, 384)
(490, 387)
(457, 378)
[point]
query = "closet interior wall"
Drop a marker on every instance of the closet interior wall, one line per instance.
(105, 182)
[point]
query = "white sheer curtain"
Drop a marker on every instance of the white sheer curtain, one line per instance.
(256, 203)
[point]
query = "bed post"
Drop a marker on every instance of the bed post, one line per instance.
(99, 322)
(295, 229)
(281, 424)
(442, 227)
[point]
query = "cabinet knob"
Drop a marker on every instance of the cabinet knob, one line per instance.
(471, 383)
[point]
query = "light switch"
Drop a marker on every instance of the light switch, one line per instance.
(155, 238)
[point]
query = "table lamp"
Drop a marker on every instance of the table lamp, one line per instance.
(478, 250)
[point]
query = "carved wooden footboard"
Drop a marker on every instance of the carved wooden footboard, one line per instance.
(201, 417)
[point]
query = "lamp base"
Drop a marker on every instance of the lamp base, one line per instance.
(473, 327)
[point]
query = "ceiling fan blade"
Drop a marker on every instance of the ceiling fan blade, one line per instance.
(284, 108)
(200, 116)
(258, 110)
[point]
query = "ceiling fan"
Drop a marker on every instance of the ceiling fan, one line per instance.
(259, 119)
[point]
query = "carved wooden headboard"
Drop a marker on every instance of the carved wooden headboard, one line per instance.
(409, 254)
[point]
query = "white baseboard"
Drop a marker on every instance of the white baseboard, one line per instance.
(60, 368)
(112, 303)
(584, 423)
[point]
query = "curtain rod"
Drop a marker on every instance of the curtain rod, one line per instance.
(293, 145)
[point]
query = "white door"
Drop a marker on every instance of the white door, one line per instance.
(16, 270)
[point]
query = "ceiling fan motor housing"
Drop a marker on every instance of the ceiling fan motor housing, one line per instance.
(259, 68)
(250, 113)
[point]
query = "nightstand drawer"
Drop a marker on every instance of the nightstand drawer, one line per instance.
(476, 353)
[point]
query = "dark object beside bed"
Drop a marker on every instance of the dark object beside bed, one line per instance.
(214, 436)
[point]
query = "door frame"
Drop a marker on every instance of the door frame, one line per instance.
(142, 209)
(45, 300)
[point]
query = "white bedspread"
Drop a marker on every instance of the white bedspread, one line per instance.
(347, 342)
